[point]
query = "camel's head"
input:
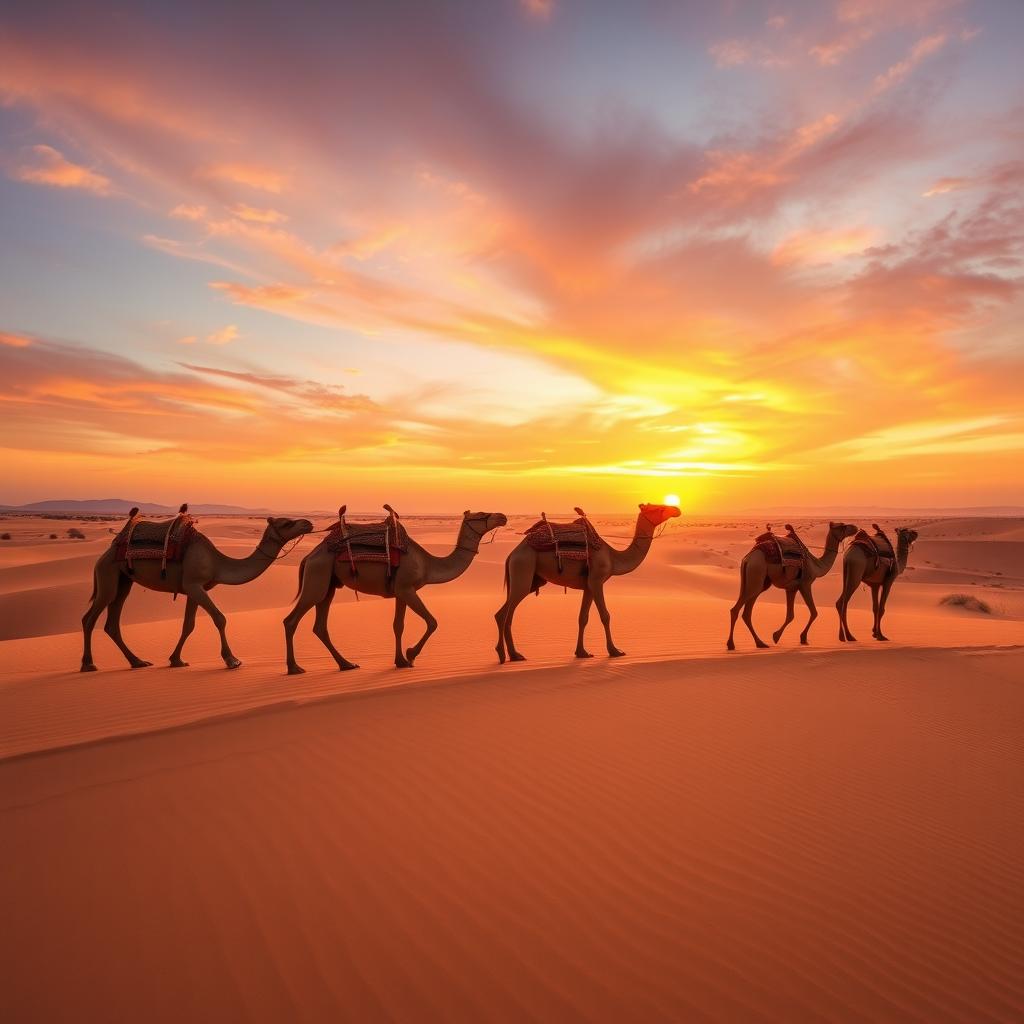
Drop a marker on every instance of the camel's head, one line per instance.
(288, 529)
(842, 530)
(905, 533)
(658, 514)
(484, 522)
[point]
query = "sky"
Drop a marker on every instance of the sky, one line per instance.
(513, 254)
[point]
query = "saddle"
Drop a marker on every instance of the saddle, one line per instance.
(574, 541)
(384, 541)
(878, 546)
(785, 553)
(141, 539)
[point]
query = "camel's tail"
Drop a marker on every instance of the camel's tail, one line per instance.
(302, 572)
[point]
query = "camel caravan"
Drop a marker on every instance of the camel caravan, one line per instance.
(381, 559)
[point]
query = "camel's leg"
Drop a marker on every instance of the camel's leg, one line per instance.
(588, 600)
(748, 618)
(316, 584)
(112, 627)
(597, 586)
(415, 602)
(105, 586)
(790, 598)
(851, 581)
(752, 584)
(734, 611)
(203, 599)
(401, 661)
(883, 600)
(188, 623)
(517, 591)
(805, 593)
(321, 633)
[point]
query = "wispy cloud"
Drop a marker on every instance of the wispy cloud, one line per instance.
(44, 165)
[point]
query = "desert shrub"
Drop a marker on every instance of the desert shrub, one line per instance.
(972, 604)
(5, 536)
(53, 536)
(75, 533)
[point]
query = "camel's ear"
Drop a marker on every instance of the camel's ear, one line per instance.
(270, 519)
(183, 509)
(466, 513)
(341, 511)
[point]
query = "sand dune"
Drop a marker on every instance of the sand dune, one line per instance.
(684, 834)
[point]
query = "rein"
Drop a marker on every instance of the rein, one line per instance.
(479, 536)
(283, 553)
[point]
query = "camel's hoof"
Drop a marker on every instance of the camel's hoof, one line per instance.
(842, 638)
(346, 666)
(762, 646)
(850, 638)
(803, 641)
(232, 663)
(730, 646)
(410, 656)
(616, 653)
(178, 664)
(296, 670)
(884, 639)
(517, 657)
(501, 657)
(583, 654)
(141, 664)
(88, 668)
(402, 663)
(776, 637)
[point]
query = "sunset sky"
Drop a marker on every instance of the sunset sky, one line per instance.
(513, 254)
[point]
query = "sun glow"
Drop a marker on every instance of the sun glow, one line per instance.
(671, 499)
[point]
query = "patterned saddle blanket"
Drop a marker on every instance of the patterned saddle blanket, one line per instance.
(384, 541)
(573, 540)
(168, 541)
(784, 551)
(879, 546)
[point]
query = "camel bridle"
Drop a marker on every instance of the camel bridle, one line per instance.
(271, 528)
(468, 521)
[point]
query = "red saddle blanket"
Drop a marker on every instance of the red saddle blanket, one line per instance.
(879, 546)
(167, 541)
(385, 541)
(779, 550)
(573, 540)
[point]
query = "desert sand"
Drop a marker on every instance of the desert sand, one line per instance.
(820, 833)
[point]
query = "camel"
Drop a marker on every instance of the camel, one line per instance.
(528, 569)
(757, 575)
(201, 568)
(322, 571)
(860, 565)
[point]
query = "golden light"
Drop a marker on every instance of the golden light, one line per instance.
(671, 499)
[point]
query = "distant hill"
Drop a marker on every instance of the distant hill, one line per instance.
(887, 510)
(122, 506)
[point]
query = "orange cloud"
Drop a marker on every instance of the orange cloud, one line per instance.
(258, 216)
(48, 166)
(263, 179)
(822, 245)
(188, 211)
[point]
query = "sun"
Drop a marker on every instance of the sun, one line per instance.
(671, 499)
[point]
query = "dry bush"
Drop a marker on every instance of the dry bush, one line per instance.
(972, 604)
(75, 533)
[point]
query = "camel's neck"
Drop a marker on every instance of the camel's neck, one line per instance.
(445, 568)
(234, 571)
(902, 553)
(628, 559)
(820, 566)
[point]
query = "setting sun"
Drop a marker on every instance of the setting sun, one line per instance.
(671, 499)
